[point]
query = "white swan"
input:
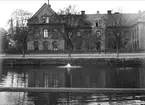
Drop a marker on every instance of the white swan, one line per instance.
(69, 66)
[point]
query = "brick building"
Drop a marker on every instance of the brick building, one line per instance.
(132, 29)
(43, 34)
(45, 23)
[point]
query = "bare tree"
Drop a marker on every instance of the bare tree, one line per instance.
(18, 23)
(72, 21)
(4, 40)
(116, 30)
(21, 16)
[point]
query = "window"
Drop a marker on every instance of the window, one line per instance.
(78, 33)
(54, 30)
(47, 20)
(98, 33)
(45, 33)
(70, 35)
(55, 45)
(45, 45)
(36, 33)
(96, 24)
(36, 45)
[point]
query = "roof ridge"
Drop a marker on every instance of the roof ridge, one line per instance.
(42, 7)
(39, 10)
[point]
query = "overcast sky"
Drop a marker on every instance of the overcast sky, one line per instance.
(90, 6)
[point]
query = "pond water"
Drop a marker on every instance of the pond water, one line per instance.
(91, 75)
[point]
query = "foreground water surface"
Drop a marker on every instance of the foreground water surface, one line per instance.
(114, 74)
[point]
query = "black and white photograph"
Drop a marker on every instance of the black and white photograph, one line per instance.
(72, 52)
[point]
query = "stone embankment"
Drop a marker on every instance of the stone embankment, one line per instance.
(75, 61)
(62, 59)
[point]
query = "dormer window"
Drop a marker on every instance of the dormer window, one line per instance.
(45, 33)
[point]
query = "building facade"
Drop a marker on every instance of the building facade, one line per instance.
(43, 31)
(45, 25)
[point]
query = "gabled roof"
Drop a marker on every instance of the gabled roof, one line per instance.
(44, 6)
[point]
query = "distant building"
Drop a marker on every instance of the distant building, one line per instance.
(133, 29)
(44, 36)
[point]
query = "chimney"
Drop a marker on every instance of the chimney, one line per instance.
(109, 12)
(97, 12)
(82, 12)
(49, 4)
(139, 11)
(116, 13)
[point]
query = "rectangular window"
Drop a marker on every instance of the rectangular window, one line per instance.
(97, 24)
(78, 33)
(47, 19)
(45, 33)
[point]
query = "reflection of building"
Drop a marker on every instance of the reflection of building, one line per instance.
(101, 76)
(46, 77)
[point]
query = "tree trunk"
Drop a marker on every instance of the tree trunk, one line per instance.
(23, 50)
(117, 50)
(69, 53)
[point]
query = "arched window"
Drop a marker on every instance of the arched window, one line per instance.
(96, 24)
(55, 45)
(36, 45)
(47, 20)
(36, 33)
(45, 45)
(70, 34)
(45, 33)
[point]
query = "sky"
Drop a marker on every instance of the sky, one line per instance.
(89, 6)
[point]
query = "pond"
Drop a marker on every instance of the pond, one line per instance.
(92, 74)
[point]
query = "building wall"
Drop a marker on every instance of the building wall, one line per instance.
(46, 77)
(137, 37)
(30, 44)
(142, 36)
(134, 43)
(53, 35)
(88, 40)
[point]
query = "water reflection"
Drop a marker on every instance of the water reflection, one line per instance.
(90, 76)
